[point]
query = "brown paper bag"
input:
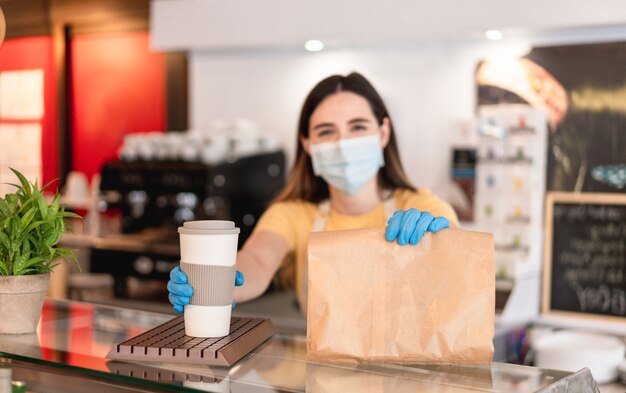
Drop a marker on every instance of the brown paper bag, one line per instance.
(376, 301)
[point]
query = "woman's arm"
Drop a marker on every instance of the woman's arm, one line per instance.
(258, 260)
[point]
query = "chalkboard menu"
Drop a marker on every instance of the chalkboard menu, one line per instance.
(585, 255)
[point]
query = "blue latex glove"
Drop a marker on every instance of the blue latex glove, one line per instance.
(409, 226)
(181, 291)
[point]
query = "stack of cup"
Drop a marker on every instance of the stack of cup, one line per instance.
(208, 252)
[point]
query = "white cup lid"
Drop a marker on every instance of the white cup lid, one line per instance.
(208, 227)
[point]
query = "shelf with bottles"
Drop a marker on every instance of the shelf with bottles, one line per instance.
(515, 245)
(513, 150)
(505, 161)
(513, 178)
(516, 144)
(518, 219)
(512, 262)
(510, 237)
(503, 209)
(495, 126)
(521, 130)
(510, 184)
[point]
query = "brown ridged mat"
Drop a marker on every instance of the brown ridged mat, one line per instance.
(143, 371)
(167, 343)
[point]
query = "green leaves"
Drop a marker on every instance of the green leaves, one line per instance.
(25, 183)
(4, 241)
(4, 208)
(30, 230)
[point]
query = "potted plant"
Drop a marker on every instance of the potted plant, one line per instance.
(30, 230)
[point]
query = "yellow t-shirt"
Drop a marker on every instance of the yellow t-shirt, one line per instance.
(293, 221)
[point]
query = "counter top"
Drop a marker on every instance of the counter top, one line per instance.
(153, 242)
(76, 337)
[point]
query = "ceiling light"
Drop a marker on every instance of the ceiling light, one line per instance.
(314, 45)
(494, 35)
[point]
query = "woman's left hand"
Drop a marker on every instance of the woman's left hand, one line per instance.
(409, 226)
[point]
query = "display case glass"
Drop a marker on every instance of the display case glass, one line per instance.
(74, 338)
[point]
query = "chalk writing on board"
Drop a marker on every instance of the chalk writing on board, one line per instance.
(589, 258)
(586, 212)
(602, 298)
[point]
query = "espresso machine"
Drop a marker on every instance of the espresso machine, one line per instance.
(154, 198)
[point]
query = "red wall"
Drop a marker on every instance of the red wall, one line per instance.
(118, 88)
(30, 53)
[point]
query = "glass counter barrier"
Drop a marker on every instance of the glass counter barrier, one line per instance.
(73, 339)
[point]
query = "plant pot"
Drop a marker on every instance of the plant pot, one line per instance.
(21, 301)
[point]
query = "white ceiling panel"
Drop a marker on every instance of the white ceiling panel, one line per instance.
(236, 24)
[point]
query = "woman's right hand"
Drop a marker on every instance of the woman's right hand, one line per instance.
(180, 291)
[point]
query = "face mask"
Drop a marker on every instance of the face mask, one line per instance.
(347, 164)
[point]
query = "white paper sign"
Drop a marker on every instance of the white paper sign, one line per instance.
(21, 95)
(29, 145)
(8, 141)
(20, 148)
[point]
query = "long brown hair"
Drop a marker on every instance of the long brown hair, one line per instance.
(303, 183)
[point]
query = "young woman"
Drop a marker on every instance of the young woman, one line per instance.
(347, 175)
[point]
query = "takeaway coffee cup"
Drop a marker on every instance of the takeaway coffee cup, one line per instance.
(208, 252)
